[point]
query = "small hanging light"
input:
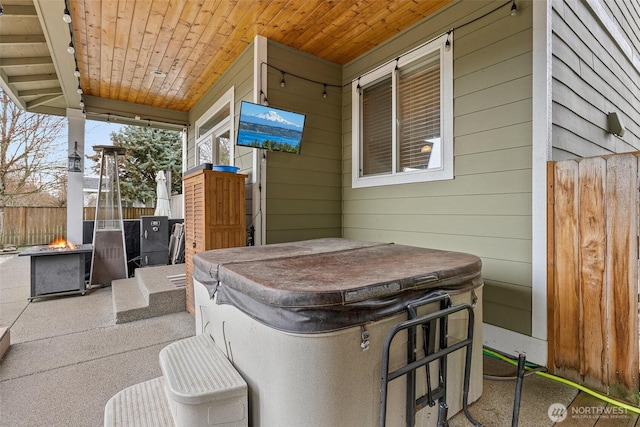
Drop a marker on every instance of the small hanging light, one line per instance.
(514, 8)
(71, 49)
(265, 101)
(282, 83)
(76, 72)
(447, 44)
(74, 160)
(79, 90)
(324, 93)
(67, 16)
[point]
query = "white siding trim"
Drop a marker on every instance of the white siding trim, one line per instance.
(259, 194)
(541, 146)
(612, 28)
(513, 343)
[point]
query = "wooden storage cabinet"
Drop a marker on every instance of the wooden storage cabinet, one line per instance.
(214, 217)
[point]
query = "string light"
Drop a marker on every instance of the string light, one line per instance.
(71, 49)
(447, 46)
(283, 82)
(79, 89)
(76, 73)
(67, 16)
(265, 101)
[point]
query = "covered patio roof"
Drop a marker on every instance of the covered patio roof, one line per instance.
(156, 58)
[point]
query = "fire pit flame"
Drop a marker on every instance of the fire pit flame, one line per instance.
(61, 243)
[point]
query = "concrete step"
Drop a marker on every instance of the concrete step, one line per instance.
(143, 404)
(154, 291)
(5, 340)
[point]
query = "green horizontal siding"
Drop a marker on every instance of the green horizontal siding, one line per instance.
(304, 191)
(486, 208)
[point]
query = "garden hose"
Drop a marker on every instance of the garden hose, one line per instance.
(602, 397)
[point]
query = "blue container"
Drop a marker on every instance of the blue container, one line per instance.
(225, 168)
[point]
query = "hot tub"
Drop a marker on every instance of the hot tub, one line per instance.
(305, 325)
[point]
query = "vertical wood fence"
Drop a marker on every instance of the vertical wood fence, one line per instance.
(29, 226)
(127, 213)
(593, 272)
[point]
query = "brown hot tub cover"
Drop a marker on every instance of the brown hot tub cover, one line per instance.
(330, 284)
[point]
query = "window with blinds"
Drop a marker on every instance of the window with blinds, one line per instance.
(376, 128)
(419, 115)
(402, 113)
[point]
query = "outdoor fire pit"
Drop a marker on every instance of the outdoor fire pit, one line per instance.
(57, 269)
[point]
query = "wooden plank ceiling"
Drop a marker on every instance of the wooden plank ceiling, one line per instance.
(120, 43)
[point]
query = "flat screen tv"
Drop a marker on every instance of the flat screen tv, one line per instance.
(272, 129)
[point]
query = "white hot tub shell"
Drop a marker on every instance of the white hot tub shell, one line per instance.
(290, 318)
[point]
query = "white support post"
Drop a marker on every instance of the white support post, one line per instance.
(75, 181)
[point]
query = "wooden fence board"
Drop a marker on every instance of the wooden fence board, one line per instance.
(593, 244)
(622, 273)
(567, 293)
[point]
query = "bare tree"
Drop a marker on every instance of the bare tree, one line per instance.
(32, 156)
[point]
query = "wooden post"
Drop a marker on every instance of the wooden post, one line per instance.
(551, 340)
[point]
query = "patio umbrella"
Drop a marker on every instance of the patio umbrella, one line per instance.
(163, 204)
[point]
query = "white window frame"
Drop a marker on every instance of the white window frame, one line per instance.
(446, 118)
(212, 134)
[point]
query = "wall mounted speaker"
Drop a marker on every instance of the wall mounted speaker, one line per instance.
(615, 124)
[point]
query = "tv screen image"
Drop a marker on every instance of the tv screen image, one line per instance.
(272, 129)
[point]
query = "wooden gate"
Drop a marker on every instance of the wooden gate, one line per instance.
(593, 272)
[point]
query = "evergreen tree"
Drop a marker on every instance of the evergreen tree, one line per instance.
(149, 150)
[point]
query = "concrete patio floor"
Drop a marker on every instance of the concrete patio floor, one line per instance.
(68, 357)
